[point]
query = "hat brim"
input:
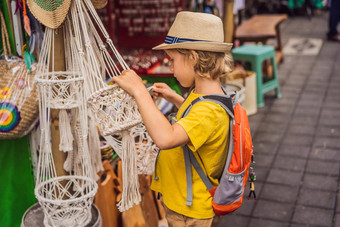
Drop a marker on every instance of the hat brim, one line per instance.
(198, 45)
(49, 18)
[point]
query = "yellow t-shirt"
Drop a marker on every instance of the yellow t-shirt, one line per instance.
(207, 126)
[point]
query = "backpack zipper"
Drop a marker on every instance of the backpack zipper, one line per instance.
(241, 148)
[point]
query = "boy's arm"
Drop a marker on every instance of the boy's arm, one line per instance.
(178, 100)
(164, 135)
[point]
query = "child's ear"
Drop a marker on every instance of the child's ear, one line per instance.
(194, 56)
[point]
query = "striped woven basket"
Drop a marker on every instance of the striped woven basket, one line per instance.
(99, 4)
(50, 13)
(18, 94)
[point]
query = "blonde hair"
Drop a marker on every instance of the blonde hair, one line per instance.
(210, 65)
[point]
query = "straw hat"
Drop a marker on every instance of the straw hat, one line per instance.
(50, 13)
(196, 31)
(99, 4)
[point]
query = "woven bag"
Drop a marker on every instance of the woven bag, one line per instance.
(18, 94)
(50, 13)
(99, 4)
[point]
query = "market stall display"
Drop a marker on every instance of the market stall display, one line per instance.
(18, 93)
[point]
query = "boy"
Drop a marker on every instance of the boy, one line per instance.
(198, 59)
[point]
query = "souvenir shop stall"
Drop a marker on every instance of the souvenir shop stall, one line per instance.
(73, 148)
(74, 151)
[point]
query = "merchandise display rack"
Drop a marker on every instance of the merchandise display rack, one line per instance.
(141, 25)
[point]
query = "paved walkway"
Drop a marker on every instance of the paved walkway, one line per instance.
(297, 140)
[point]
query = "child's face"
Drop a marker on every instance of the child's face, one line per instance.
(182, 68)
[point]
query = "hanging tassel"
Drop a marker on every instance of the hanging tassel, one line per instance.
(26, 19)
(130, 195)
(66, 137)
(68, 164)
(94, 149)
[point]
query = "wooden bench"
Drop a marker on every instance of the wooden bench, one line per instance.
(262, 28)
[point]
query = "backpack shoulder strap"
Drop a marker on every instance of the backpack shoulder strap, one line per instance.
(223, 100)
(189, 157)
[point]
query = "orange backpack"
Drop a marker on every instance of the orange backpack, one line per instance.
(228, 195)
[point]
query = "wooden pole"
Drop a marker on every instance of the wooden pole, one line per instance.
(228, 20)
(59, 157)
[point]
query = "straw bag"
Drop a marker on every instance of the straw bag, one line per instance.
(99, 4)
(18, 95)
(50, 13)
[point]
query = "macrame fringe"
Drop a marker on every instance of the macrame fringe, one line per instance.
(66, 137)
(68, 164)
(94, 149)
(130, 195)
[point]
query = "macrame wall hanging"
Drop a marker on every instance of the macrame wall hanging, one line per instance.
(109, 107)
(113, 109)
(66, 200)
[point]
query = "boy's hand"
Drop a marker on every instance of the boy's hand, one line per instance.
(130, 82)
(164, 91)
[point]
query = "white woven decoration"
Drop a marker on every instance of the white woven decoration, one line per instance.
(65, 200)
(146, 150)
(114, 110)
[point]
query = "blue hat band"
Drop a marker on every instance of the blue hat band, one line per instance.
(173, 39)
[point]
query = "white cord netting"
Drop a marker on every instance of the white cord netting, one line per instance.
(64, 89)
(146, 150)
(114, 110)
(66, 201)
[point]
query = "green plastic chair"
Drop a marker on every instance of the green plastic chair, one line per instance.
(255, 55)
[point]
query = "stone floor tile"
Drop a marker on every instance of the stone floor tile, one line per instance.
(313, 216)
(282, 109)
(328, 113)
(301, 225)
(332, 104)
(338, 202)
(303, 111)
(278, 128)
(316, 198)
(233, 220)
(310, 104)
(325, 154)
(329, 131)
(279, 193)
(264, 160)
(301, 130)
(337, 220)
(301, 140)
(323, 167)
(327, 183)
(267, 223)
(285, 177)
(273, 211)
(329, 121)
(276, 118)
(264, 148)
(261, 173)
(294, 150)
(290, 163)
(304, 120)
(326, 142)
(247, 205)
(267, 137)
